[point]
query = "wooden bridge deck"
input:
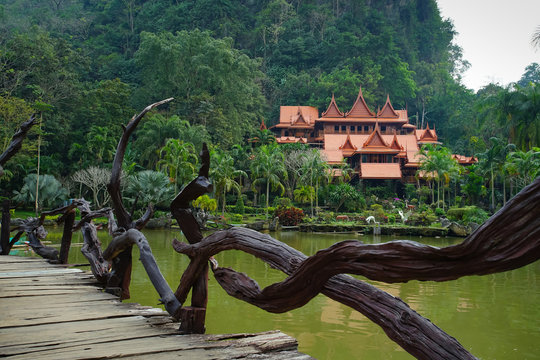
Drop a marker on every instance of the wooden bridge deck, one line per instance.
(53, 312)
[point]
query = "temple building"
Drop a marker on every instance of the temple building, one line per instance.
(377, 145)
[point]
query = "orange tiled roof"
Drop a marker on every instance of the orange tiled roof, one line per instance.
(388, 110)
(427, 135)
(348, 148)
(360, 108)
(290, 139)
(465, 160)
(288, 115)
(380, 171)
(332, 110)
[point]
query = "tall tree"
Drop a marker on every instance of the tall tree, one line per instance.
(267, 168)
(179, 160)
(215, 85)
(224, 175)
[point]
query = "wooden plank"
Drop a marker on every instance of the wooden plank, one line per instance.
(53, 300)
(12, 293)
(52, 332)
(32, 273)
(19, 259)
(50, 312)
(81, 334)
(159, 344)
(82, 279)
(44, 315)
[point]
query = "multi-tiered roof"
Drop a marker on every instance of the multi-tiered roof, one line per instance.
(379, 145)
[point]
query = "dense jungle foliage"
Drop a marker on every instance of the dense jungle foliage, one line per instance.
(88, 66)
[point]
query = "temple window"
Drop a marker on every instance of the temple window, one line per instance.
(352, 128)
(383, 128)
(336, 128)
(366, 128)
(343, 128)
(364, 158)
(286, 133)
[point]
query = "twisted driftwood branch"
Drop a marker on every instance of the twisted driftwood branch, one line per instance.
(131, 237)
(509, 240)
(16, 141)
(191, 229)
(120, 276)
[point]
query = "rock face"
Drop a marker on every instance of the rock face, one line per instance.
(445, 222)
(274, 225)
(456, 229)
(159, 223)
(257, 225)
(472, 227)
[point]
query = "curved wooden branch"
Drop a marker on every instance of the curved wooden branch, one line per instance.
(91, 248)
(126, 240)
(120, 276)
(411, 331)
(122, 216)
(45, 252)
(192, 231)
(16, 141)
(510, 239)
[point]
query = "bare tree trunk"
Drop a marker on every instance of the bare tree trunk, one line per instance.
(121, 267)
(4, 236)
(16, 141)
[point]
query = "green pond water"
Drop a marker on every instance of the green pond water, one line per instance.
(494, 316)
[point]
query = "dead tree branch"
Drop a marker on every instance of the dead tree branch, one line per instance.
(190, 227)
(131, 237)
(509, 240)
(16, 141)
(120, 275)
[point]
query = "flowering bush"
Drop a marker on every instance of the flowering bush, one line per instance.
(289, 215)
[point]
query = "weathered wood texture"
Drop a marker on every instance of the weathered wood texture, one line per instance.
(16, 141)
(198, 284)
(120, 275)
(75, 320)
(4, 234)
(508, 240)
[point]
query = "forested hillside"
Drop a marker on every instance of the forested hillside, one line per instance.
(90, 65)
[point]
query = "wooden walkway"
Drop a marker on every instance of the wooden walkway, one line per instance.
(53, 312)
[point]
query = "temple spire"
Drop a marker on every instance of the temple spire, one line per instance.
(360, 108)
(332, 110)
(388, 110)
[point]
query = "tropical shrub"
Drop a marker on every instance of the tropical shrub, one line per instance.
(50, 192)
(237, 218)
(475, 214)
(240, 208)
(421, 219)
(439, 212)
(149, 187)
(289, 215)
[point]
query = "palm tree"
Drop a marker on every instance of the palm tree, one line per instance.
(179, 161)
(268, 168)
(489, 161)
(438, 164)
(304, 194)
(263, 137)
(224, 175)
(102, 143)
(51, 192)
(535, 40)
(315, 170)
(524, 166)
(153, 135)
(149, 187)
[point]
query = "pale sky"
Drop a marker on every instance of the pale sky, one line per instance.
(495, 36)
